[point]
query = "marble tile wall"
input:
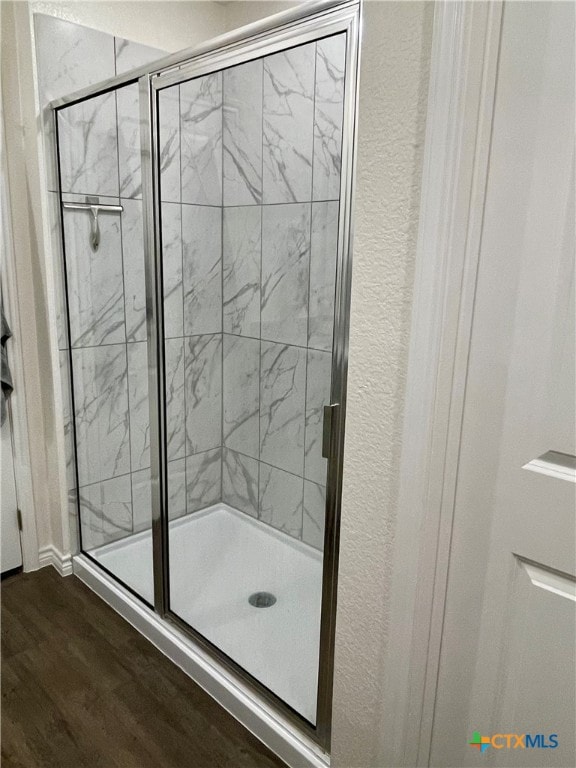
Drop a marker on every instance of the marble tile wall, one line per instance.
(250, 169)
(249, 270)
(99, 155)
(279, 258)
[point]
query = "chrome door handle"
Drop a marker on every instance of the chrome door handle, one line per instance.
(327, 426)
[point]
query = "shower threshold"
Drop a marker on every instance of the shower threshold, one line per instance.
(220, 560)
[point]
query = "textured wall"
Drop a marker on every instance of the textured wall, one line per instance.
(42, 511)
(238, 13)
(167, 24)
(394, 77)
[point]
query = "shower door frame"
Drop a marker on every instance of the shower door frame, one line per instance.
(311, 22)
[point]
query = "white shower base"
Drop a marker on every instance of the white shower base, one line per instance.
(218, 558)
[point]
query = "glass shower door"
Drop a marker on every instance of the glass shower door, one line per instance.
(249, 188)
(105, 345)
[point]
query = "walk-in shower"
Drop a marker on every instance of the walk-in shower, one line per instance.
(206, 208)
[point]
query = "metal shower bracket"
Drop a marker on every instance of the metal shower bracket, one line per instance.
(94, 207)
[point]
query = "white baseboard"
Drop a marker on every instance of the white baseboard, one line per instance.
(51, 556)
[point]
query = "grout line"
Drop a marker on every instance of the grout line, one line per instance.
(272, 341)
(147, 468)
(116, 198)
(272, 466)
(198, 335)
(103, 346)
(108, 479)
(199, 205)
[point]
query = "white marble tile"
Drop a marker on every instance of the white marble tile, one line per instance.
(203, 392)
(241, 394)
(175, 401)
(129, 158)
(70, 57)
(67, 420)
(288, 125)
(141, 500)
(241, 250)
(201, 140)
(131, 55)
(314, 514)
(101, 407)
(280, 496)
(317, 396)
(282, 402)
(323, 256)
(243, 134)
(169, 130)
(95, 286)
(203, 480)
(240, 482)
(285, 269)
(202, 247)
(106, 511)
(328, 111)
(89, 147)
(116, 508)
(134, 270)
(176, 488)
(139, 405)
(73, 522)
(172, 269)
(90, 522)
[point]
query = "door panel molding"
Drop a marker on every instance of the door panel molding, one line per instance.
(557, 582)
(465, 50)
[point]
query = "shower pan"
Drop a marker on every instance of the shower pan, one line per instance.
(206, 221)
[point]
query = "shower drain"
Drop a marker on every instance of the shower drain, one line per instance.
(262, 599)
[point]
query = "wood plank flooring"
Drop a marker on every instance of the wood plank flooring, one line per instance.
(81, 687)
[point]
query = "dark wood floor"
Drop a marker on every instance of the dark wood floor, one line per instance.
(80, 687)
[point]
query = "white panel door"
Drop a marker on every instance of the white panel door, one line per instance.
(508, 644)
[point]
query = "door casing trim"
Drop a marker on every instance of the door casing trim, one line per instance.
(465, 49)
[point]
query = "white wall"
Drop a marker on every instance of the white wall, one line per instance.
(393, 90)
(239, 13)
(32, 345)
(170, 25)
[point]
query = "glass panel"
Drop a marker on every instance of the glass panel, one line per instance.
(107, 322)
(250, 183)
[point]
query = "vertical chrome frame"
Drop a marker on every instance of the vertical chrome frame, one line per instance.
(155, 332)
(307, 23)
(339, 381)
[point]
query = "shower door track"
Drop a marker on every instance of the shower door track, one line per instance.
(311, 22)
